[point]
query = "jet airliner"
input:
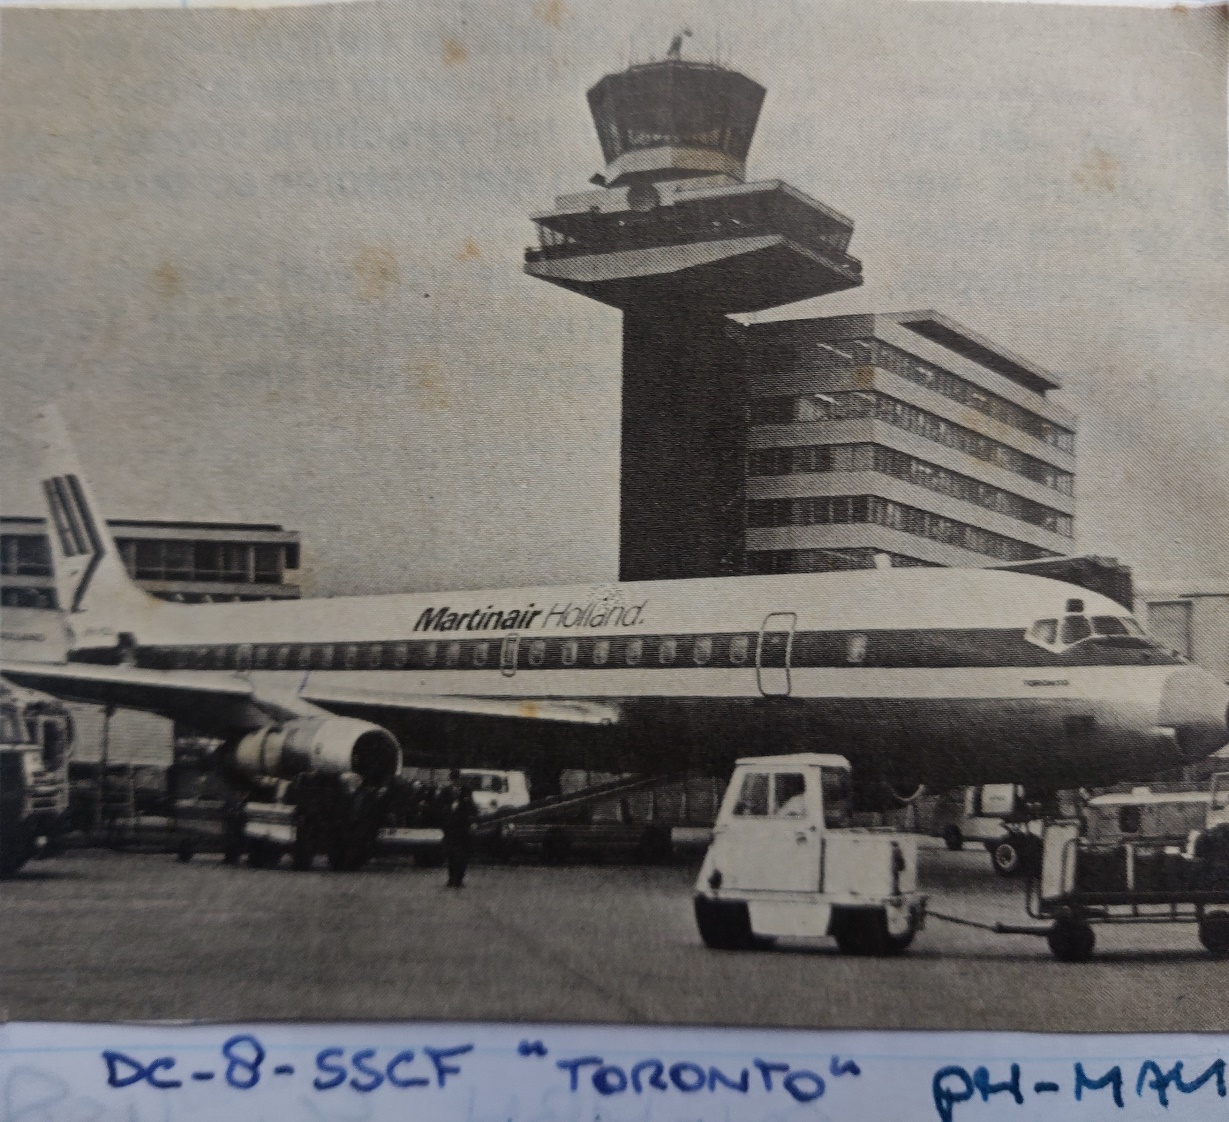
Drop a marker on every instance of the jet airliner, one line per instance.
(947, 676)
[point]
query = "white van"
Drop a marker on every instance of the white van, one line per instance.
(784, 862)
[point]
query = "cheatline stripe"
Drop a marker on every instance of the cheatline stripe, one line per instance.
(897, 649)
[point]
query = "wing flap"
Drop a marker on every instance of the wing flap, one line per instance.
(519, 708)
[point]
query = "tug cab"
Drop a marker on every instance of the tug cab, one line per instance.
(786, 863)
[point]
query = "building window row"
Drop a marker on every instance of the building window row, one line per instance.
(25, 555)
(28, 598)
(848, 405)
(839, 509)
(210, 562)
(768, 561)
(850, 353)
(887, 461)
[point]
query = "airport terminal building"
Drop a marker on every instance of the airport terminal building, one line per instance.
(191, 562)
(903, 434)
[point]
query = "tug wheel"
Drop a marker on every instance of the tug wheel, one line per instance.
(1071, 941)
(864, 932)
(953, 838)
(726, 926)
(1214, 933)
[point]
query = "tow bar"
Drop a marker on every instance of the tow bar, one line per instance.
(996, 928)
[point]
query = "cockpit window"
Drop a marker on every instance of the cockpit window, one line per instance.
(1074, 629)
(1108, 625)
(1044, 631)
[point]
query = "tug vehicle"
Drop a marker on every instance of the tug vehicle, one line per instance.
(786, 863)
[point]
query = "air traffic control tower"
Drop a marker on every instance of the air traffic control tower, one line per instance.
(675, 237)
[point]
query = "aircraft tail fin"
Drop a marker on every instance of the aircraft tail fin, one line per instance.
(96, 594)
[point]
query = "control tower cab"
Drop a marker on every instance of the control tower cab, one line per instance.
(675, 237)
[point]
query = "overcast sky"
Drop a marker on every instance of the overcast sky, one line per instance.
(270, 262)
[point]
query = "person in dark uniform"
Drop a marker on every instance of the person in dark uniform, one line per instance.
(459, 814)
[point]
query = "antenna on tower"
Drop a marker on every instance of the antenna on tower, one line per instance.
(676, 44)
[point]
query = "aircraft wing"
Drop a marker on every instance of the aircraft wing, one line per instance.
(164, 692)
(520, 708)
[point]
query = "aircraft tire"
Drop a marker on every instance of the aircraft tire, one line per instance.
(1071, 941)
(953, 839)
(1214, 933)
(263, 855)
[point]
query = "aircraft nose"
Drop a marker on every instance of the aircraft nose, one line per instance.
(1196, 706)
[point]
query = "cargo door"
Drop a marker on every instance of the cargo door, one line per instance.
(772, 653)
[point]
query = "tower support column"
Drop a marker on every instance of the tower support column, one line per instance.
(683, 442)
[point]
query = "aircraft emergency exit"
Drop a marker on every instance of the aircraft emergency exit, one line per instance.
(949, 676)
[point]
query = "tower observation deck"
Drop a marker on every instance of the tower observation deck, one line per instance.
(675, 237)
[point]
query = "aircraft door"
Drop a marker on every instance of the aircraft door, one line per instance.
(772, 653)
(507, 654)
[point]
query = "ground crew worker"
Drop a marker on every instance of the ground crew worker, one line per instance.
(459, 815)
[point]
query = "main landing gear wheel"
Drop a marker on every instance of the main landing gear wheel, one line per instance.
(1214, 933)
(864, 932)
(1071, 941)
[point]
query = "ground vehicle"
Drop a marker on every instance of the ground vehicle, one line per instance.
(994, 815)
(1141, 857)
(785, 862)
(35, 748)
(493, 790)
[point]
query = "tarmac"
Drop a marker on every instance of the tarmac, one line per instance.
(101, 935)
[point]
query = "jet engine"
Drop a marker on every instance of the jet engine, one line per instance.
(322, 745)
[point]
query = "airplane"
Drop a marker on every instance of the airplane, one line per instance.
(917, 675)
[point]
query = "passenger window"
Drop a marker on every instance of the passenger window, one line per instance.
(260, 658)
(219, 657)
(739, 646)
(429, 654)
(1044, 631)
(452, 654)
(401, 655)
(667, 651)
(753, 796)
(601, 652)
(634, 651)
(375, 655)
(303, 656)
(1129, 819)
(537, 652)
(855, 648)
(349, 657)
(702, 651)
(1075, 628)
(283, 658)
(481, 652)
(243, 657)
(568, 652)
(789, 790)
(324, 657)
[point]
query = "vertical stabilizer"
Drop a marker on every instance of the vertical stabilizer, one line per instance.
(99, 600)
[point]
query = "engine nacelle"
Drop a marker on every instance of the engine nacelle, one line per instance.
(328, 745)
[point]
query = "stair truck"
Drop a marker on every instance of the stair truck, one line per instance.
(786, 863)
